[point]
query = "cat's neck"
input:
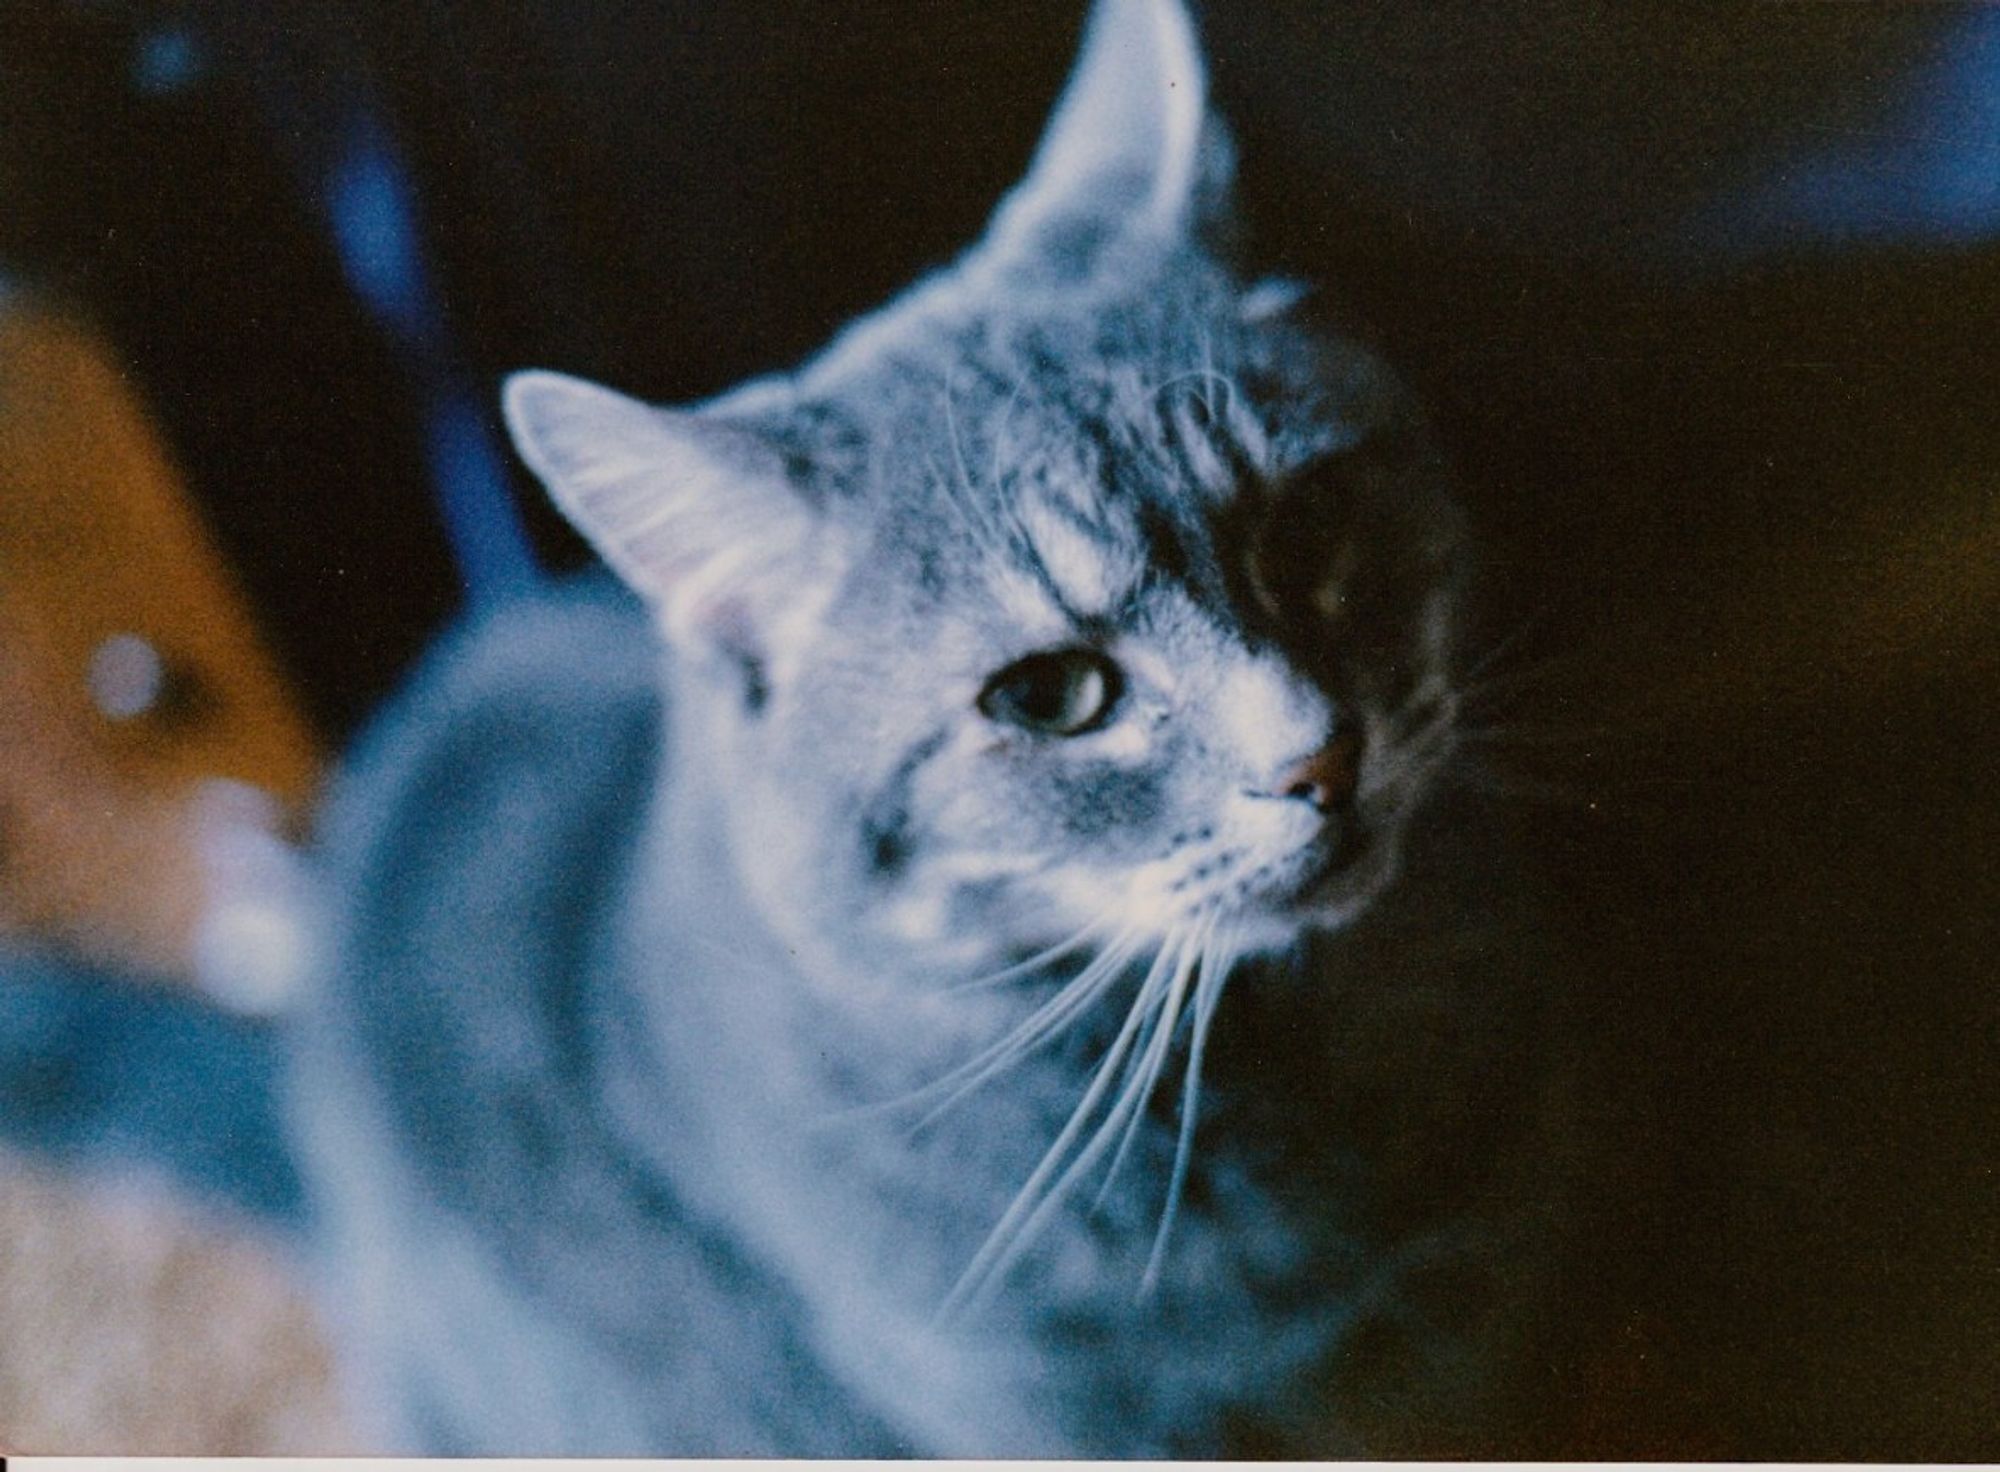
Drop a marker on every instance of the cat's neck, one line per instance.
(757, 1086)
(752, 1084)
(702, 943)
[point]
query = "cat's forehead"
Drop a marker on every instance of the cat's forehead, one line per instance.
(1055, 464)
(1065, 562)
(1036, 542)
(1084, 499)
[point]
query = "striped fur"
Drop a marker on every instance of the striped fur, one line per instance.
(832, 1079)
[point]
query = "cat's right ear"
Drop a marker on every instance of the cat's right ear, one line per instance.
(697, 514)
(1130, 153)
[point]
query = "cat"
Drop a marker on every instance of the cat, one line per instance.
(776, 1006)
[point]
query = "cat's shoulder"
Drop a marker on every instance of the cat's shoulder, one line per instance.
(473, 855)
(477, 833)
(525, 706)
(535, 666)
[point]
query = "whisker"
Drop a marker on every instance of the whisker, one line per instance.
(1210, 377)
(1115, 1120)
(1003, 431)
(1506, 684)
(978, 515)
(970, 517)
(1158, 1045)
(1076, 996)
(1023, 1208)
(1035, 962)
(1477, 777)
(1216, 963)
(1135, 1074)
(959, 1093)
(1429, 742)
(1502, 647)
(957, 443)
(1207, 377)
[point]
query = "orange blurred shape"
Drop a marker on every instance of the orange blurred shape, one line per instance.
(131, 671)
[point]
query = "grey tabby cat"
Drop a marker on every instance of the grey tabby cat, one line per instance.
(813, 1040)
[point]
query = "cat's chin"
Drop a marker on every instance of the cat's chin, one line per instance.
(1325, 896)
(1266, 928)
(1271, 914)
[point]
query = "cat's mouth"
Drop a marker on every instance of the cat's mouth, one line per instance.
(1325, 883)
(1328, 883)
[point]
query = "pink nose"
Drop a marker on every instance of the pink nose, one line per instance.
(1328, 777)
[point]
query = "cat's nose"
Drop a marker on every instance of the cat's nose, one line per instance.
(1328, 777)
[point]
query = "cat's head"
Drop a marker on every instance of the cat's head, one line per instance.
(1084, 584)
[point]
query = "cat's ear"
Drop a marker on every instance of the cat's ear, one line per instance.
(699, 515)
(1129, 153)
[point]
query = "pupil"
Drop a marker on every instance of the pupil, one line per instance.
(1050, 696)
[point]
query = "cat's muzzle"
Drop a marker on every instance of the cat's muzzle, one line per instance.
(1327, 882)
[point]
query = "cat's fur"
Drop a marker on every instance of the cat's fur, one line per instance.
(629, 1102)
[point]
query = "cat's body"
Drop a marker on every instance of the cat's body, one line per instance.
(809, 1069)
(540, 1242)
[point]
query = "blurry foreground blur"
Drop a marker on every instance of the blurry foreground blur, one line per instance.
(152, 769)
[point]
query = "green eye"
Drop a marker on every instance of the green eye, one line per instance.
(1063, 692)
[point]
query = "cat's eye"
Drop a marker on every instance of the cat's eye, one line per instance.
(1061, 692)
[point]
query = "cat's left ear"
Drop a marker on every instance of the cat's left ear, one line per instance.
(1130, 154)
(698, 514)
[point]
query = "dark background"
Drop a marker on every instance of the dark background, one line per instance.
(1736, 487)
